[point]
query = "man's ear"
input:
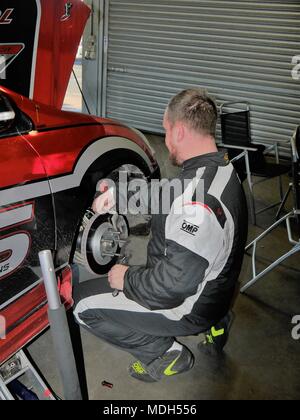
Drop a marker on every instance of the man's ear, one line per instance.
(180, 132)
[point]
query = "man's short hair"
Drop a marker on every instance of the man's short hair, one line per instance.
(196, 109)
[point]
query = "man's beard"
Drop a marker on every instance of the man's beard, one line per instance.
(174, 160)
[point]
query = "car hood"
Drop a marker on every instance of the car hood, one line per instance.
(39, 40)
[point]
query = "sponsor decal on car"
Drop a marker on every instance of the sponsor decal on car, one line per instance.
(5, 17)
(8, 53)
(14, 247)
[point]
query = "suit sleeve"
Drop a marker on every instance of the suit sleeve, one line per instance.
(193, 241)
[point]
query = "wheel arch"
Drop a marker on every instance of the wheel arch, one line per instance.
(124, 151)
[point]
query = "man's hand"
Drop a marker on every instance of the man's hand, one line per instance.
(105, 202)
(116, 276)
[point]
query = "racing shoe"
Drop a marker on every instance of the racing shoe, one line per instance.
(216, 338)
(169, 364)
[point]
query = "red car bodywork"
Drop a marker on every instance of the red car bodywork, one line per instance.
(58, 158)
(58, 139)
(43, 169)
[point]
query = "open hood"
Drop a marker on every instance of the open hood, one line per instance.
(38, 46)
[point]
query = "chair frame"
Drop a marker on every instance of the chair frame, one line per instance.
(294, 214)
(296, 248)
(245, 154)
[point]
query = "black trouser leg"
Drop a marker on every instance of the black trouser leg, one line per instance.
(107, 323)
(144, 347)
(123, 323)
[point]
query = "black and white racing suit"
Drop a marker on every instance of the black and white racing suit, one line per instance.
(194, 261)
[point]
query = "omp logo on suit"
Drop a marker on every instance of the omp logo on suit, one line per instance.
(189, 228)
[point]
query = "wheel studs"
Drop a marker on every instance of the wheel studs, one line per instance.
(106, 254)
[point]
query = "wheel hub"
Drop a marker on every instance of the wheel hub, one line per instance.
(108, 239)
(101, 240)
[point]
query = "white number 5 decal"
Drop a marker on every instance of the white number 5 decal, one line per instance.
(14, 247)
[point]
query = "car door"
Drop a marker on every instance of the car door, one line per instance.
(27, 223)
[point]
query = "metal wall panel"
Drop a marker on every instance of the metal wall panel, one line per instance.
(238, 50)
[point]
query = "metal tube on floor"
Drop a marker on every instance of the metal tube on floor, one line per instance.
(60, 331)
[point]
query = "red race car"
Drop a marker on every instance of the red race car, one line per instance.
(50, 164)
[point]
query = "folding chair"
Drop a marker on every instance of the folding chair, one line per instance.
(236, 138)
(293, 215)
(291, 185)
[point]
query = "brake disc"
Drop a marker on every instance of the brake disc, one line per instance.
(100, 241)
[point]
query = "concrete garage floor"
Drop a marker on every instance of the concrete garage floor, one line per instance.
(262, 361)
